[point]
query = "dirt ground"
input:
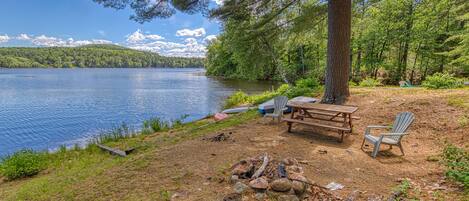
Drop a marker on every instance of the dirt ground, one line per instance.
(199, 169)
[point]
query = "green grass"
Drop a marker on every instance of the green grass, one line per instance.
(456, 160)
(370, 82)
(68, 168)
(21, 164)
(459, 102)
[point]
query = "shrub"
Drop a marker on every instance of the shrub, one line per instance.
(237, 98)
(311, 83)
(370, 82)
(304, 87)
(21, 164)
(457, 162)
(442, 81)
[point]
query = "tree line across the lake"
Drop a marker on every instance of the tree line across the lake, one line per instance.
(92, 56)
(392, 40)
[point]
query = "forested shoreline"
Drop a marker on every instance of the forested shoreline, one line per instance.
(90, 56)
(391, 40)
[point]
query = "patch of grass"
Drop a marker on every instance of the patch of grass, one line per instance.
(114, 134)
(165, 195)
(403, 188)
(458, 101)
(370, 82)
(23, 163)
(463, 121)
(456, 160)
(442, 81)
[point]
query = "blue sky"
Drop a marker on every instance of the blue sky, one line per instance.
(76, 22)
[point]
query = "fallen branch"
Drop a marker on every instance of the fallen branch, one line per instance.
(261, 169)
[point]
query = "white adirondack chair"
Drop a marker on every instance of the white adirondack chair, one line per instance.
(279, 106)
(393, 138)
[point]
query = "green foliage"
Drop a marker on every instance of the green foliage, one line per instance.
(442, 81)
(370, 82)
(392, 40)
(403, 188)
(21, 164)
(463, 121)
(114, 134)
(457, 162)
(157, 124)
(303, 87)
(92, 56)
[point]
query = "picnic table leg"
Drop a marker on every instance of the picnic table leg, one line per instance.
(350, 122)
(293, 110)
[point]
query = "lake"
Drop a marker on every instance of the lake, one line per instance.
(45, 108)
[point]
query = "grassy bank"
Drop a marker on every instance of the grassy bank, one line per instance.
(67, 168)
(172, 159)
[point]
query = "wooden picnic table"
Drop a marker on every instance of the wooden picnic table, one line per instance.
(337, 117)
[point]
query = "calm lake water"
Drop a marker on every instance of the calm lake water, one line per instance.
(45, 108)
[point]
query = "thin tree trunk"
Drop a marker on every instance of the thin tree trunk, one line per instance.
(415, 63)
(338, 51)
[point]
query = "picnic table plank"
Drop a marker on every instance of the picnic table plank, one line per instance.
(324, 107)
(306, 110)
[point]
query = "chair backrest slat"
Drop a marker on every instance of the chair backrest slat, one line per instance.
(279, 103)
(401, 124)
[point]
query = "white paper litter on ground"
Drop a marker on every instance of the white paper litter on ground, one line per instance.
(334, 186)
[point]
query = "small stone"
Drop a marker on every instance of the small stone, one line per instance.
(234, 179)
(288, 198)
(297, 177)
(281, 185)
(239, 187)
(232, 197)
(260, 196)
(299, 187)
(289, 161)
(260, 183)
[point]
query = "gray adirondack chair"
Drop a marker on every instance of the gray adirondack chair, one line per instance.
(393, 138)
(279, 106)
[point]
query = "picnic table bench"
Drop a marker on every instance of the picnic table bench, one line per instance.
(336, 117)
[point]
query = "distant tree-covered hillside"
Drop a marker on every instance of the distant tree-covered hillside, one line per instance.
(92, 56)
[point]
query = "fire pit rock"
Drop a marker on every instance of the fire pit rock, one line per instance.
(281, 185)
(260, 183)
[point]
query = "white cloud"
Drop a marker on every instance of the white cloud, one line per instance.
(4, 38)
(193, 33)
(190, 48)
(219, 2)
(138, 36)
(23, 37)
(210, 38)
(154, 37)
(46, 41)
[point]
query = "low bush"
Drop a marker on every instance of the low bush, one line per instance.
(238, 98)
(370, 82)
(457, 162)
(21, 164)
(304, 87)
(442, 81)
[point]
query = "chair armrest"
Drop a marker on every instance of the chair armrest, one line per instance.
(378, 126)
(392, 134)
(368, 128)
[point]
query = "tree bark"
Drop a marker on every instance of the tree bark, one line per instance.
(338, 51)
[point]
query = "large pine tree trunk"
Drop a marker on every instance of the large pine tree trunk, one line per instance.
(338, 51)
